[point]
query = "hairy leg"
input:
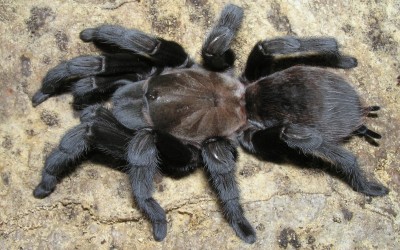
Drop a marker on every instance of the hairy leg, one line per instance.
(92, 74)
(274, 55)
(219, 157)
(98, 130)
(63, 160)
(216, 52)
(291, 141)
(178, 159)
(130, 54)
(265, 143)
(143, 162)
(347, 164)
(113, 38)
(310, 142)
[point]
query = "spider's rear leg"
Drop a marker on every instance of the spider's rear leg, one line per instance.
(219, 157)
(93, 74)
(216, 52)
(270, 56)
(113, 38)
(98, 130)
(295, 140)
(347, 164)
(309, 141)
(265, 143)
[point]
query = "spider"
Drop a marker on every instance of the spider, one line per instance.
(171, 115)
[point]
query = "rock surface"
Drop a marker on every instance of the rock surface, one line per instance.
(290, 207)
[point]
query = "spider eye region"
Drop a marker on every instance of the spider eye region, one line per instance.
(152, 95)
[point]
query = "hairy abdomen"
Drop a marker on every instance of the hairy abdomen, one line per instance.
(308, 96)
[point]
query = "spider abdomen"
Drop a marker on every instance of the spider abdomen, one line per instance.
(308, 96)
(194, 104)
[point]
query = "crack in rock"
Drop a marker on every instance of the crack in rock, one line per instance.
(116, 5)
(13, 221)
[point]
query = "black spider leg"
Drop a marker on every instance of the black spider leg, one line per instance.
(92, 74)
(310, 141)
(364, 131)
(98, 130)
(113, 38)
(289, 141)
(219, 157)
(178, 159)
(95, 89)
(143, 160)
(274, 55)
(264, 143)
(63, 160)
(346, 164)
(216, 52)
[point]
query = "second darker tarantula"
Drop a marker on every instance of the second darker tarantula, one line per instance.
(172, 115)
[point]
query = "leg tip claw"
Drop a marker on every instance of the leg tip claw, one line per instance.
(41, 192)
(87, 35)
(159, 231)
(245, 231)
(348, 62)
(375, 189)
(39, 97)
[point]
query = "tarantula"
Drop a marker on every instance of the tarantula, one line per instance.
(172, 115)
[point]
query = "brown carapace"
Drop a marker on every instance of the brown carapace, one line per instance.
(195, 104)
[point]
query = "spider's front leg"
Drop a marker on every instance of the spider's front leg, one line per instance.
(144, 162)
(274, 55)
(219, 156)
(129, 55)
(114, 38)
(92, 76)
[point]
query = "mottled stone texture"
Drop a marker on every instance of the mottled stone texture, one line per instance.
(290, 207)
